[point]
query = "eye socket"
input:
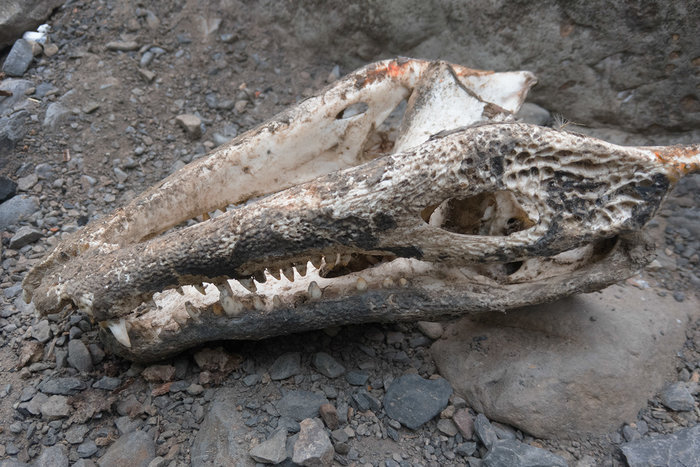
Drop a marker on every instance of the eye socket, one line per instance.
(492, 214)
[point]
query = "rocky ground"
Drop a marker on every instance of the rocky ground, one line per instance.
(122, 96)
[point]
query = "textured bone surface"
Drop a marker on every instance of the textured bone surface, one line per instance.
(342, 210)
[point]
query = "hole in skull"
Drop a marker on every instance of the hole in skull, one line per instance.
(355, 263)
(382, 139)
(493, 214)
(352, 111)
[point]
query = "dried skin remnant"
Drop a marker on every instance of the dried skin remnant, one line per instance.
(487, 214)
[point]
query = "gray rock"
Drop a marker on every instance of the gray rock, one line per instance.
(273, 450)
(313, 446)
(221, 436)
(413, 400)
(63, 386)
(84, 463)
(485, 431)
(53, 456)
(356, 378)
(466, 449)
(79, 356)
(24, 236)
(44, 171)
(126, 425)
(136, 449)
(18, 59)
(55, 407)
(122, 46)
(41, 331)
(87, 448)
(327, 365)
(286, 365)
(55, 114)
(18, 16)
(680, 448)
(18, 88)
(536, 368)
(447, 427)
(8, 188)
(26, 183)
(299, 405)
(12, 130)
(533, 113)
(511, 452)
(17, 209)
(76, 434)
(677, 397)
(431, 329)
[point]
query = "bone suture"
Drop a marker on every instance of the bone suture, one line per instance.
(407, 192)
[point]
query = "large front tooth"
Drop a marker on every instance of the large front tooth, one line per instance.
(275, 272)
(301, 269)
(288, 273)
(248, 284)
(119, 331)
(315, 291)
(317, 261)
(260, 276)
(231, 306)
(192, 311)
(200, 288)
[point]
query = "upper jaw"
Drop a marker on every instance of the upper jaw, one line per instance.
(482, 204)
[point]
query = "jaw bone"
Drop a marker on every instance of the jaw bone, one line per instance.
(484, 214)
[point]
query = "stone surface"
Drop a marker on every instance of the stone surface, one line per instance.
(285, 366)
(273, 450)
(16, 209)
(55, 407)
(313, 446)
(485, 431)
(221, 436)
(18, 16)
(53, 456)
(582, 365)
(135, 449)
(511, 452)
(19, 58)
(191, 124)
(329, 414)
(681, 448)
(79, 356)
(464, 422)
(12, 130)
(413, 400)
(8, 188)
(430, 329)
(299, 405)
(55, 114)
(677, 397)
(595, 61)
(24, 236)
(327, 365)
(41, 331)
(63, 386)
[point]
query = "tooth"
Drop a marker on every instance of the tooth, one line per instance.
(388, 283)
(119, 331)
(288, 273)
(337, 260)
(301, 269)
(314, 290)
(260, 276)
(345, 260)
(258, 303)
(361, 284)
(200, 288)
(192, 311)
(248, 284)
(317, 261)
(231, 306)
(274, 272)
(403, 282)
(276, 301)
(180, 291)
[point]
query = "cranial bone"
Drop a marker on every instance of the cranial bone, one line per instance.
(336, 217)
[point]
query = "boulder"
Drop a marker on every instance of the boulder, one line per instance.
(581, 365)
(18, 16)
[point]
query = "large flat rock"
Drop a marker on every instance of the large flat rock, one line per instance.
(581, 365)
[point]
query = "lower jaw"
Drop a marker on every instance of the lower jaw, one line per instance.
(430, 293)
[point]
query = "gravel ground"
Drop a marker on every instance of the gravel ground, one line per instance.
(99, 119)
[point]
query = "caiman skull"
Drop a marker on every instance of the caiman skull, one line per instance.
(331, 216)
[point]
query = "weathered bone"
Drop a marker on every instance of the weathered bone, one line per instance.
(482, 216)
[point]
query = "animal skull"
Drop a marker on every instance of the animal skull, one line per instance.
(335, 217)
